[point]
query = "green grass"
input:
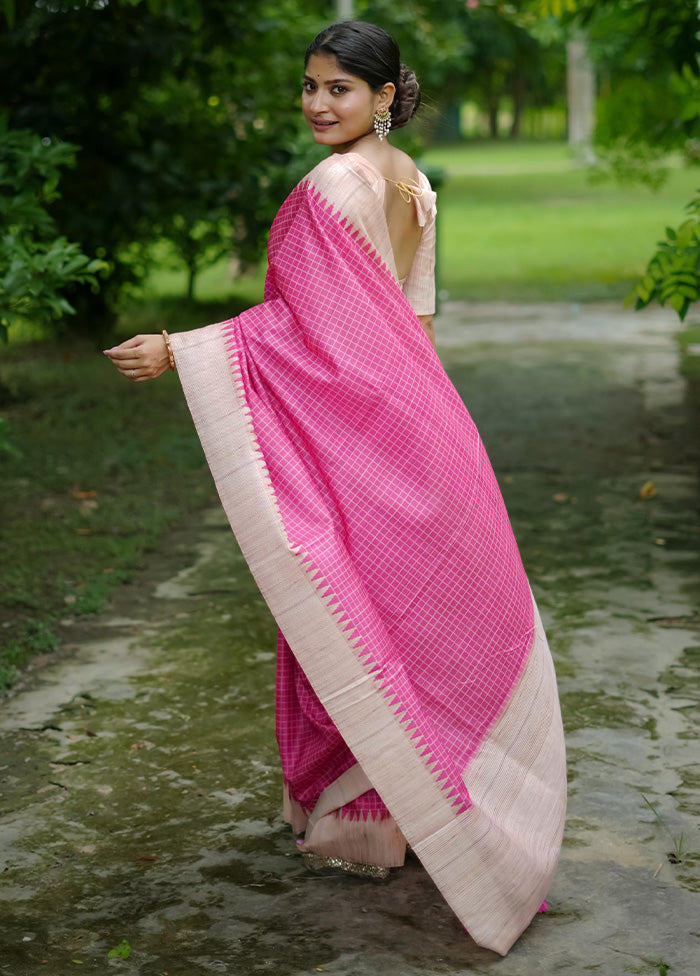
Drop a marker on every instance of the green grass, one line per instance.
(522, 223)
(214, 284)
(518, 222)
(99, 468)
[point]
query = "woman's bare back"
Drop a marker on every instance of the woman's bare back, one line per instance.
(402, 219)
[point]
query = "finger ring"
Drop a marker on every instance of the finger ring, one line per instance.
(133, 373)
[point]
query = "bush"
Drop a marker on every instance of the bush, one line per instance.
(36, 264)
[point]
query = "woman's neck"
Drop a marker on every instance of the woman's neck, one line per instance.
(368, 143)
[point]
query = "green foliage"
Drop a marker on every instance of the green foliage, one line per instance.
(186, 116)
(431, 36)
(555, 8)
(122, 951)
(673, 273)
(646, 55)
(36, 264)
(519, 223)
(488, 53)
(6, 446)
(78, 518)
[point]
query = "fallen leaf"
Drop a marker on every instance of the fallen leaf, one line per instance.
(78, 493)
(137, 745)
(122, 951)
(560, 497)
(648, 490)
(659, 542)
(70, 599)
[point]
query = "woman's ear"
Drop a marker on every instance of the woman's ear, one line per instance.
(385, 96)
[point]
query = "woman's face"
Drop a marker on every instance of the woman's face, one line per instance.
(338, 106)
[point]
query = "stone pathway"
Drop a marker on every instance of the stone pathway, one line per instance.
(140, 782)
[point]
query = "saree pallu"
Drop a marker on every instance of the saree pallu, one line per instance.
(366, 507)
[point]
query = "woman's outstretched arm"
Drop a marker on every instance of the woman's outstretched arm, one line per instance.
(142, 358)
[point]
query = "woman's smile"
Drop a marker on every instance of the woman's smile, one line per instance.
(339, 107)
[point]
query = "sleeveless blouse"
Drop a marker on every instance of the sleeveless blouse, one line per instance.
(345, 178)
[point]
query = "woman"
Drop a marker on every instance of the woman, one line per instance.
(416, 697)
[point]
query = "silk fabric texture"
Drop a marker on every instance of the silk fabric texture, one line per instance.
(364, 502)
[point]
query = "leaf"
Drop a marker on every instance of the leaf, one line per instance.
(678, 303)
(122, 951)
(648, 490)
(9, 8)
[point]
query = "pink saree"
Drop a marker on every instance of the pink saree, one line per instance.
(416, 695)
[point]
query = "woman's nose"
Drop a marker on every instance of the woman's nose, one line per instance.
(318, 101)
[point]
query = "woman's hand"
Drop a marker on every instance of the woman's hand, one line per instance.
(142, 358)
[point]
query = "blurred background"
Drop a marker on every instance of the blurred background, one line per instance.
(145, 148)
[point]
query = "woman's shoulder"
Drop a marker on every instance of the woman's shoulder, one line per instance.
(343, 169)
(353, 181)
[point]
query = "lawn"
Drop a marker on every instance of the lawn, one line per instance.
(519, 222)
(99, 468)
(523, 223)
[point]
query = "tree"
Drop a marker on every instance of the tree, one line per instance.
(485, 50)
(652, 52)
(184, 114)
(646, 54)
(37, 265)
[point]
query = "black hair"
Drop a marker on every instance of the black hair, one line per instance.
(368, 52)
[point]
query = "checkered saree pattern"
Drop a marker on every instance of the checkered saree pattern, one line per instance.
(390, 564)
(385, 491)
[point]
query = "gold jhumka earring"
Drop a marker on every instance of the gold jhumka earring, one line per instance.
(382, 123)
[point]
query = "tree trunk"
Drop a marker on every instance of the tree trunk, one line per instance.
(518, 93)
(191, 275)
(492, 109)
(581, 95)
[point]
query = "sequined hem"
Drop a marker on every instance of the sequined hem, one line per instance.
(317, 863)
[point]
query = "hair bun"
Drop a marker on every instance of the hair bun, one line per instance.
(406, 99)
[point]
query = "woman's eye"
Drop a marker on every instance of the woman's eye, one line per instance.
(338, 89)
(307, 86)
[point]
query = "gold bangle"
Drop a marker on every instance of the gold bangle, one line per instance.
(166, 337)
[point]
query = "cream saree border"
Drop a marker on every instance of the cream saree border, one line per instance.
(493, 862)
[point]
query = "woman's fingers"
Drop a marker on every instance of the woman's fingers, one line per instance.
(131, 363)
(141, 358)
(127, 344)
(119, 356)
(125, 351)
